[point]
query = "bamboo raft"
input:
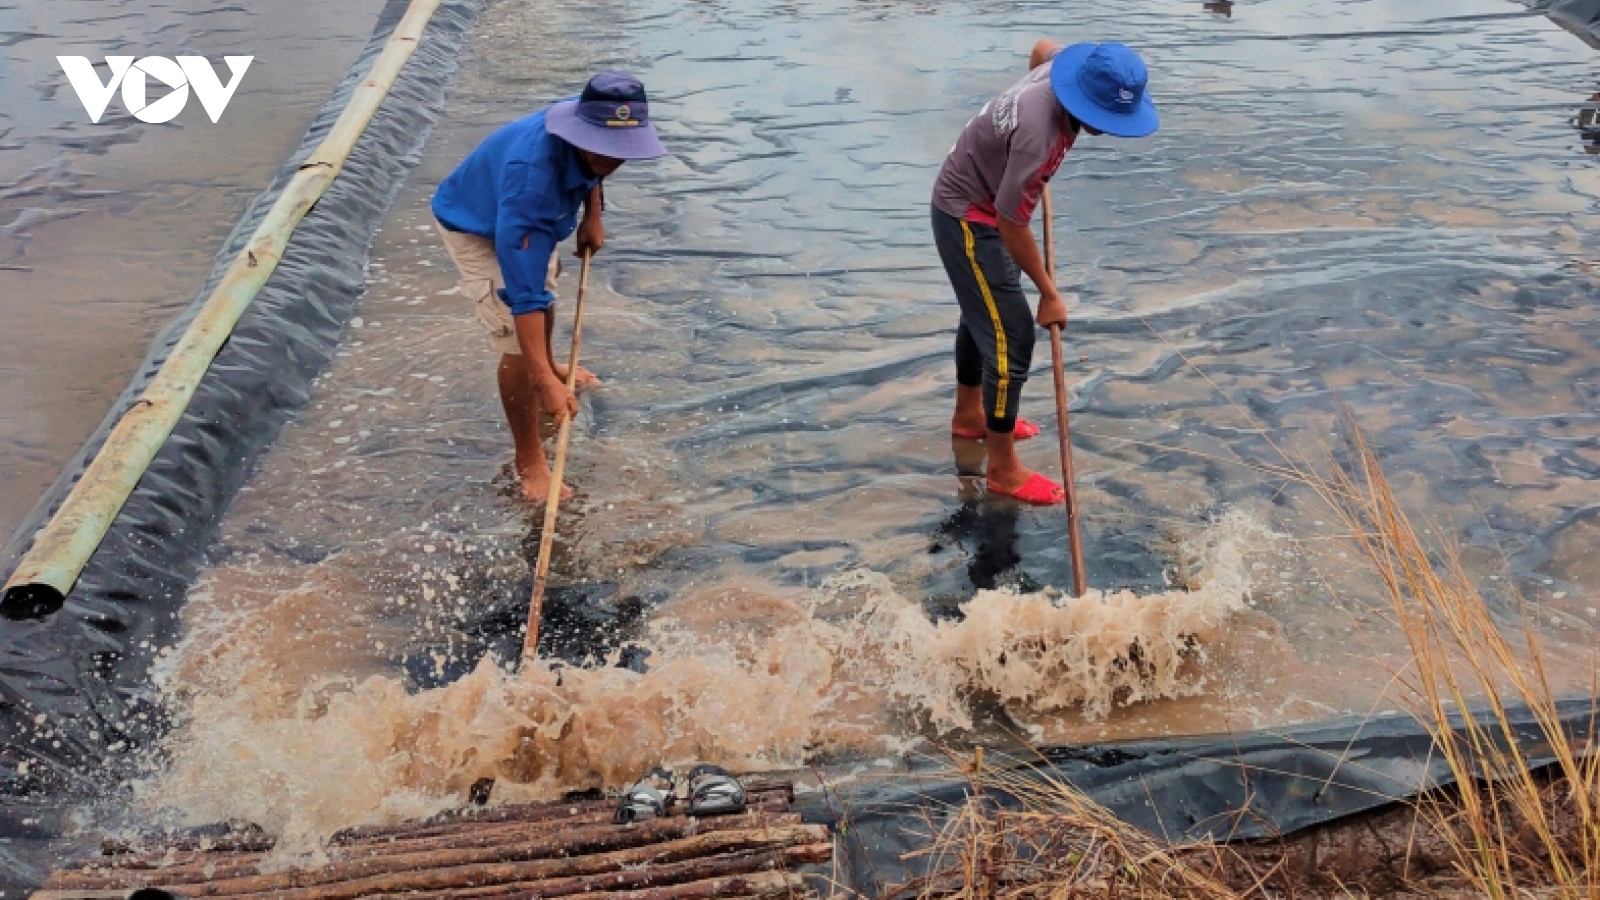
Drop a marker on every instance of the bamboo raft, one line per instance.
(568, 849)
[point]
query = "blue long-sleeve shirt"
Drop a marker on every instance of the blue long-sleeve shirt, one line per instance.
(521, 188)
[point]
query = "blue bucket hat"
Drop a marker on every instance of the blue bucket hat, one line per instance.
(1103, 86)
(611, 117)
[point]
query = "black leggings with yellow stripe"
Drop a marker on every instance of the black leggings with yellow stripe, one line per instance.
(994, 343)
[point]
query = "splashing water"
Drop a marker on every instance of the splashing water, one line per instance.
(856, 666)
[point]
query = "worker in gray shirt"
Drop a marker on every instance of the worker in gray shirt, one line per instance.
(983, 202)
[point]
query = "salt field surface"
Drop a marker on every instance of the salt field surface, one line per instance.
(107, 230)
(777, 557)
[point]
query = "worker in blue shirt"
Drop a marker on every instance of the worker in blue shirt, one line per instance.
(503, 211)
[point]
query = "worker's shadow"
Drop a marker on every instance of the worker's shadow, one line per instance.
(986, 527)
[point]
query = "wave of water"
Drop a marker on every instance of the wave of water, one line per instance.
(855, 667)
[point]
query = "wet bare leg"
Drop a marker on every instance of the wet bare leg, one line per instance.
(969, 456)
(969, 417)
(586, 378)
(522, 414)
(1006, 470)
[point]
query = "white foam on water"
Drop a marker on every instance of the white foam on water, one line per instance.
(855, 666)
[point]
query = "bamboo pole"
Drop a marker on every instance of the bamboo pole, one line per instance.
(547, 537)
(1069, 480)
(59, 553)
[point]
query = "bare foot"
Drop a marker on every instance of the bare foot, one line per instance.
(1006, 471)
(586, 378)
(536, 487)
(1007, 481)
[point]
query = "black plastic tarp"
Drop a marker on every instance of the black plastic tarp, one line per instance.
(1581, 17)
(1252, 785)
(74, 684)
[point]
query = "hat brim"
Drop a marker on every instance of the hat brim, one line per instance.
(562, 121)
(1141, 122)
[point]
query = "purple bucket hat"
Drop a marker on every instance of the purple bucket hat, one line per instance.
(611, 117)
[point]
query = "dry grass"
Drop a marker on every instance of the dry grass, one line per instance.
(1461, 658)
(1505, 833)
(1059, 845)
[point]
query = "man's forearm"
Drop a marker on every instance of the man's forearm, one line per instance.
(594, 203)
(1019, 242)
(533, 337)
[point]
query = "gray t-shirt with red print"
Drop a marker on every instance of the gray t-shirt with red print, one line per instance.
(1003, 157)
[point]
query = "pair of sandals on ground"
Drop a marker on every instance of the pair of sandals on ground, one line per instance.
(710, 791)
(1038, 489)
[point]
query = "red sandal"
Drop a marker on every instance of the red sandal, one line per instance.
(1022, 432)
(1037, 490)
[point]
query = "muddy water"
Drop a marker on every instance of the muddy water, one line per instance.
(1357, 207)
(107, 230)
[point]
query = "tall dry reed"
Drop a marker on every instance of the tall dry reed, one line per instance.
(1465, 673)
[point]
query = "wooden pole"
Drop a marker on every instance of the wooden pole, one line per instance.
(744, 887)
(522, 842)
(547, 537)
(768, 805)
(762, 798)
(649, 866)
(590, 852)
(1069, 481)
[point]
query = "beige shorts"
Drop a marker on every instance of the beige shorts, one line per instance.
(481, 279)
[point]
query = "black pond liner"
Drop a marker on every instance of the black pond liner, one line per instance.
(1581, 17)
(1241, 787)
(74, 683)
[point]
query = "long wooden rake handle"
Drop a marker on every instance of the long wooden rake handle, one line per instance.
(547, 537)
(1080, 581)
